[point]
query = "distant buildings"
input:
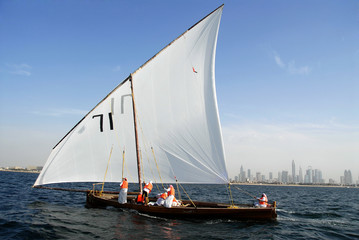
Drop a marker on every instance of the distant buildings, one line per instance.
(308, 176)
(285, 177)
(347, 178)
(258, 177)
(300, 177)
(293, 172)
(22, 169)
(311, 176)
(242, 175)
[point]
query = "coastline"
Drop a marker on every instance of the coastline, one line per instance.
(22, 171)
(239, 184)
(295, 185)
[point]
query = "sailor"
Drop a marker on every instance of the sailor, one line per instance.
(175, 202)
(171, 195)
(146, 190)
(122, 197)
(161, 199)
(263, 201)
(139, 199)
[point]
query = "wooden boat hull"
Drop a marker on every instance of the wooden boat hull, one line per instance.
(203, 210)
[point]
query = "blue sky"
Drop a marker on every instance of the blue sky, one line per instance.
(286, 74)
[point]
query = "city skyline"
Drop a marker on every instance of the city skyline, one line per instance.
(310, 176)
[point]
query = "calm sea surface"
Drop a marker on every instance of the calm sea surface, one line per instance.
(303, 213)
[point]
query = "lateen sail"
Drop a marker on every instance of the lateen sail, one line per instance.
(177, 114)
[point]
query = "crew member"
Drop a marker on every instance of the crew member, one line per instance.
(146, 191)
(263, 201)
(122, 197)
(176, 203)
(139, 199)
(171, 195)
(161, 199)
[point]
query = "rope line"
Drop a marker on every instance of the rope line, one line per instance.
(188, 196)
(158, 170)
(145, 141)
(123, 162)
(179, 193)
(142, 170)
(108, 163)
(230, 193)
(245, 192)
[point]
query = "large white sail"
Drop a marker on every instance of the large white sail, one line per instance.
(177, 115)
(83, 154)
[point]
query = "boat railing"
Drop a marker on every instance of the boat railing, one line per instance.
(97, 192)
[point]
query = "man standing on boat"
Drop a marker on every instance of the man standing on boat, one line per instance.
(122, 197)
(171, 195)
(146, 190)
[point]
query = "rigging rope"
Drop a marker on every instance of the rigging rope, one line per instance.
(188, 196)
(149, 164)
(179, 193)
(230, 193)
(142, 170)
(123, 162)
(103, 184)
(158, 170)
(245, 192)
(144, 141)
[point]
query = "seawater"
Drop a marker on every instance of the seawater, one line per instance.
(303, 213)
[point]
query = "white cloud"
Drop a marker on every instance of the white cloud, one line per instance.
(278, 60)
(19, 69)
(291, 67)
(117, 68)
(297, 70)
(61, 112)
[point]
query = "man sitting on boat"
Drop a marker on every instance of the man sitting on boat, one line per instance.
(122, 197)
(171, 195)
(160, 199)
(176, 203)
(262, 202)
(139, 199)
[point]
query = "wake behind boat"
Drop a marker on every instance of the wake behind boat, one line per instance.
(160, 123)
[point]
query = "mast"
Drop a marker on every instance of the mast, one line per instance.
(136, 137)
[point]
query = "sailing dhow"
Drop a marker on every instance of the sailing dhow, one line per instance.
(160, 123)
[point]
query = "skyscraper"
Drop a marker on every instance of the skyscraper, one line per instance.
(308, 178)
(300, 175)
(293, 172)
(284, 176)
(317, 176)
(348, 177)
(242, 175)
(258, 177)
